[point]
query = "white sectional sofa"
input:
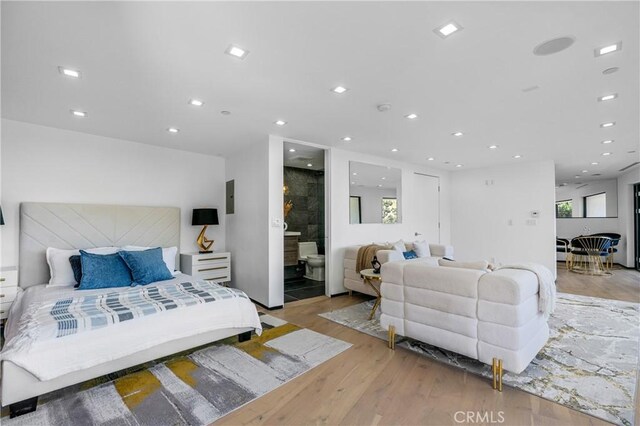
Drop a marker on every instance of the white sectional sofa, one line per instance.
(471, 312)
(352, 279)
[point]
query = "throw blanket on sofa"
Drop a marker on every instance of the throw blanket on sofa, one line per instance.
(546, 283)
(365, 256)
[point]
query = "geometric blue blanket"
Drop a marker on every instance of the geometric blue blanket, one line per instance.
(77, 314)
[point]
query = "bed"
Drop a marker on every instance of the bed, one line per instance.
(35, 361)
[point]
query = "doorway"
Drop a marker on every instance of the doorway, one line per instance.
(304, 186)
(426, 194)
(636, 221)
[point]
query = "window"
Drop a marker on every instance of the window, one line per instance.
(564, 208)
(389, 210)
(355, 214)
(595, 205)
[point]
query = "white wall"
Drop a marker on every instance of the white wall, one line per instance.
(371, 202)
(343, 234)
(491, 221)
(576, 195)
(248, 228)
(51, 165)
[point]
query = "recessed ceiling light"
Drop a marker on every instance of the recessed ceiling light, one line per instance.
(411, 116)
(606, 154)
(280, 123)
(608, 141)
(585, 171)
(354, 173)
(339, 89)
(493, 146)
(78, 113)
(430, 158)
(458, 134)
(383, 178)
(608, 97)
(236, 51)
(394, 150)
(353, 183)
(292, 150)
(196, 102)
(309, 165)
(173, 130)
(69, 72)
(379, 186)
(517, 156)
(458, 165)
(347, 139)
(446, 30)
(594, 163)
(577, 176)
(609, 124)
(608, 49)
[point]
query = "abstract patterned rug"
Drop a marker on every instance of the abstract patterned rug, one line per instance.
(589, 364)
(192, 388)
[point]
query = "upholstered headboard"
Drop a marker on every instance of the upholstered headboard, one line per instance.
(68, 226)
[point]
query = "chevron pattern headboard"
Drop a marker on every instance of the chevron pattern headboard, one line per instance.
(68, 226)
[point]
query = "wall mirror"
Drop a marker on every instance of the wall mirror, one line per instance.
(588, 199)
(374, 193)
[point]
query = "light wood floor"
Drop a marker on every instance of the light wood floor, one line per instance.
(372, 385)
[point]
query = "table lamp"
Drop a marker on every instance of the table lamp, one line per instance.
(1, 217)
(204, 217)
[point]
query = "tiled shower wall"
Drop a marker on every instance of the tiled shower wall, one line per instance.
(306, 191)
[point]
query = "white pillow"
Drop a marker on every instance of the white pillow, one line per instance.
(399, 246)
(168, 255)
(60, 267)
(422, 249)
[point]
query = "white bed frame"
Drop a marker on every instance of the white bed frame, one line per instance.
(45, 225)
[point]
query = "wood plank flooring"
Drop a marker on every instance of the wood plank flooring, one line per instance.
(372, 385)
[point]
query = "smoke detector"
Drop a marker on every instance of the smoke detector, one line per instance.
(384, 107)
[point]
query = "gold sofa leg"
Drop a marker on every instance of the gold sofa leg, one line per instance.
(496, 369)
(392, 337)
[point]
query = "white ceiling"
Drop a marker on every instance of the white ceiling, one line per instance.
(142, 62)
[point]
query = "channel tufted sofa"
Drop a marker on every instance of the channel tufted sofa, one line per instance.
(353, 281)
(479, 314)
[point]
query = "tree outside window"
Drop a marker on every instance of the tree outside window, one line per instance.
(564, 208)
(389, 210)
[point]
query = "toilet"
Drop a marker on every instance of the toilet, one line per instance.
(314, 262)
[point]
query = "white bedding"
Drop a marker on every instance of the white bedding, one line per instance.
(52, 358)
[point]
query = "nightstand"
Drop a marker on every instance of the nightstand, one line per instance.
(214, 266)
(8, 289)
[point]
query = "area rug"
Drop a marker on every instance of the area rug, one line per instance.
(589, 364)
(191, 388)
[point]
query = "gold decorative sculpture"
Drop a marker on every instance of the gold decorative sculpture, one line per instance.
(288, 205)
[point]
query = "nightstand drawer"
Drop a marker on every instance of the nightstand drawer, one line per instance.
(4, 310)
(8, 294)
(214, 266)
(210, 257)
(8, 278)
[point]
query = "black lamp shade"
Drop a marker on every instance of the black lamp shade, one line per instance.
(205, 217)
(1, 217)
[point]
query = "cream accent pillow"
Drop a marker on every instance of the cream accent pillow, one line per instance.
(480, 265)
(60, 267)
(399, 246)
(422, 248)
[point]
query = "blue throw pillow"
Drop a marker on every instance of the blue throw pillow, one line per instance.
(76, 267)
(410, 254)
(103, 271)
(146, 266)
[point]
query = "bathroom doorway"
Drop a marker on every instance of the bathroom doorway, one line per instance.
(304, 217)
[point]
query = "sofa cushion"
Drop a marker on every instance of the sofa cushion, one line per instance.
(351, 252)
(512, 286)
(443, 302)
(480, 265)
(463, 282)
(507, 314)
